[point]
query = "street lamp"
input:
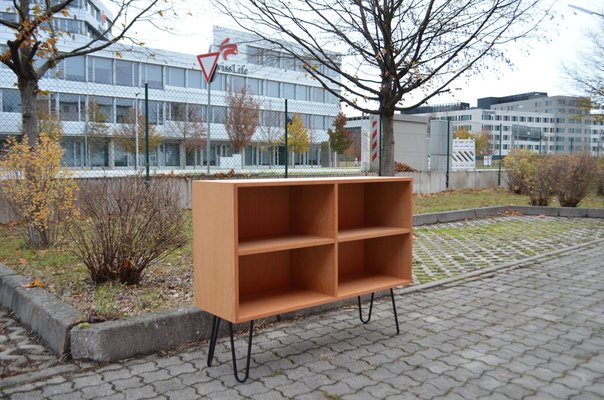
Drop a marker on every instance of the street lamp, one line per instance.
(136, 130)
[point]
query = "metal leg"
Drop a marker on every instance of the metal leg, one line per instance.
(213, 339)
(370, 309)
(249, 350)
(398, 331)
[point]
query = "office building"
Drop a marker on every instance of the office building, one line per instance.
(533, 121)
(97, 98)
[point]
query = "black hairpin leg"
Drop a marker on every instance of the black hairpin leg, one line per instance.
(394, 310)
(370, 309)
(249, 350)
(213, 339)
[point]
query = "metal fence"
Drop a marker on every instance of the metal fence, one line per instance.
(118, 118)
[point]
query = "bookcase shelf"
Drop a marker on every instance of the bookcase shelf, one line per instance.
(265, 247)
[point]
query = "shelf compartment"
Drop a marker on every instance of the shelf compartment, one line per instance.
(374, 204)
(265, 279)
(365, 266)
(266, 213)
(369, 232)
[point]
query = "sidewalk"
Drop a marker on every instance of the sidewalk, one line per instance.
(534, 331)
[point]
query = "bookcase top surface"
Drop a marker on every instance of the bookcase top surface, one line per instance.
(307, 181)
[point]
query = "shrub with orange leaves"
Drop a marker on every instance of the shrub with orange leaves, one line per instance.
(39, 189)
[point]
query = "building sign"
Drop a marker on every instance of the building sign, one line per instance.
(234, 69)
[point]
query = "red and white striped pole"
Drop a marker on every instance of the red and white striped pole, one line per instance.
(374, 134)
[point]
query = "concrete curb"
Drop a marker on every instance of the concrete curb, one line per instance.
(57, 323)
(38, 310)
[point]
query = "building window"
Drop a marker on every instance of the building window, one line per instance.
(154, 76)
(255, 86)
(289, 91)
(254, 55)
(176, 76)
(302, 92)
(69, 107)
(100, 70)
(194, 79)
(156, 113)
(124, 111)
(219, 82)
(126, 73)
(317, 94)
(172, 154)
(11, 101)
(237, 83)
(75, 68)
(102, 109)
(218, 114)
(272, 89)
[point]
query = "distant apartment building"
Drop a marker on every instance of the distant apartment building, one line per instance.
(533, 121)
(110, 84)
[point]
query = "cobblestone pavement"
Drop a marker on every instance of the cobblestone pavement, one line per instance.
(445, 250)
(532, 332)
(20, 351)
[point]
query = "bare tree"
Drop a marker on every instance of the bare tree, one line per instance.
(188, 124)
(242, 119)
(125, 134)
(270, 130)
(385, 56)
(39, 44)
(588, 75)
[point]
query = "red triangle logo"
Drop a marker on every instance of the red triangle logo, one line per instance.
(208, 64)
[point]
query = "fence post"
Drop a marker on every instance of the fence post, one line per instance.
(286, 146)
(147, 132)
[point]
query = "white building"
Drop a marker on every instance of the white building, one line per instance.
(110, 83)
(534, 121)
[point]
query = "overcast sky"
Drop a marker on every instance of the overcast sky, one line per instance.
(538, 72)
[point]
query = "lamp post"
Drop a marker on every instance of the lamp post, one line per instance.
(448, 152)
(136, 130)
(500, 160)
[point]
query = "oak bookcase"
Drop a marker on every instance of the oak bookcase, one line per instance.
(263, 247)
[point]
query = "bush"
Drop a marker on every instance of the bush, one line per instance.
(599, 181)
(517, 164)
(38, 188)
(127, 225)
(572, 176)
(537, 180)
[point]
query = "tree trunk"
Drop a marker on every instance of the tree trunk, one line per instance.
(387, 145)
(28, 88)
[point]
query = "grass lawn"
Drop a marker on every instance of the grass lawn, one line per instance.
(168, 284)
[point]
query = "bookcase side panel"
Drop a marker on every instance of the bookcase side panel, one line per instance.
(214, 247)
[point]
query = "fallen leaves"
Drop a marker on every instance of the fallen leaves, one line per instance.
(35, 283)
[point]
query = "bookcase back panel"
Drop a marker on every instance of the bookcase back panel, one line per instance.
(313, 268)
(351, 258)
(313, 210)
(263, 211)
(264, 272)
(351, 205)
(384, 205)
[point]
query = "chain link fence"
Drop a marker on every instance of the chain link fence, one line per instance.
(119, 117)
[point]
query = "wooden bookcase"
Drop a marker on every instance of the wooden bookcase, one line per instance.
(265, 247)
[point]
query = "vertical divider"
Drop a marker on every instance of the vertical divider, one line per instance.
(336, 258)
